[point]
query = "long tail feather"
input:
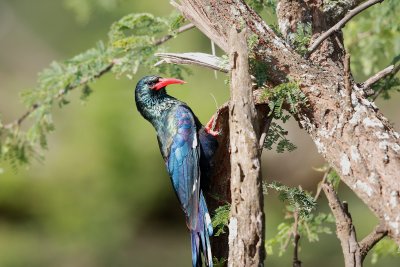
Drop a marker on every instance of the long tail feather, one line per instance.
(200, 237)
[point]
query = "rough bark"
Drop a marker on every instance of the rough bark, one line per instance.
(359, 142)
(345, 229)
(354, 252)
(246, 224)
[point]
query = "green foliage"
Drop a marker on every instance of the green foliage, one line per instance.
(219, 262)
(277, 135)
(285, 93)
(386, 86)
(260, 5)
(220, 219)
(282, 238)
(54, 84)
(297, 198)
(311, 227)
(373, 38)
(132, 44)
(133, 39)
(252, 41)
(276, 29)
(333, 178)
(314, 225)
(302, 38)
(384, 248)
(175, 21)
(84, 8)
(136, 29)
(86, 92)
(15, 147)
(258, 70)
(389, 84)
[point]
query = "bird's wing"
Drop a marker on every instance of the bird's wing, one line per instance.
(183, 163)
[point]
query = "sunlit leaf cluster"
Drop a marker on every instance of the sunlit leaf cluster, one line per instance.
(302, 38)
(333, 178)
(300, 204)
(288, 94)
(311, 227)
(384, 248)
(278, 136)
(220, 219)
(132, 43)
(373, 39)
(297, 198)
(219, 262)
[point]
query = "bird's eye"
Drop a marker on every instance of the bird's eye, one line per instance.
(153, 82)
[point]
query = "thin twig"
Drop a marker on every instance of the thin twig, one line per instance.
(340, 24)
(370, 240)
(377, 77)
(59, 95)
(106, 69)
(319, 188)
(296, 239)
(169, 36)
(392, 74)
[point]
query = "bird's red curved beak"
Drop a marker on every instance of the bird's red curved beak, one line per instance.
(162, 82)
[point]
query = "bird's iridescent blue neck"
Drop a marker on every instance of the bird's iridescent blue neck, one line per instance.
(152, 104)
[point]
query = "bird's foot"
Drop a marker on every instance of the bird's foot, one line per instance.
(210, 127)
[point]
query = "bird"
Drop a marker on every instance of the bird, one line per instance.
(187, 149)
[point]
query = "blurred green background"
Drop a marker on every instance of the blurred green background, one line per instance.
(102, 196)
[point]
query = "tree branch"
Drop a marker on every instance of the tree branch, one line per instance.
(372, 239)
(340, 25)
(336, 10)
(200, 59)
(322, 182)
(62, 92)
(354, 252)
(169, 36)
(377, 77)
(344, 227)
(392, 74)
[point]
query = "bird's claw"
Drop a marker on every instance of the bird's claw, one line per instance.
(210, 127)
(213, 133)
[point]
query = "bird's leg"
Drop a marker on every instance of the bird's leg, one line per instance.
(210, 127)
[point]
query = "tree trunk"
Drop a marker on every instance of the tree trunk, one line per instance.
(246, 224)
(348, 130)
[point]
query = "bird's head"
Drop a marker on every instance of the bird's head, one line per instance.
(155, 85)
(150, 92)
